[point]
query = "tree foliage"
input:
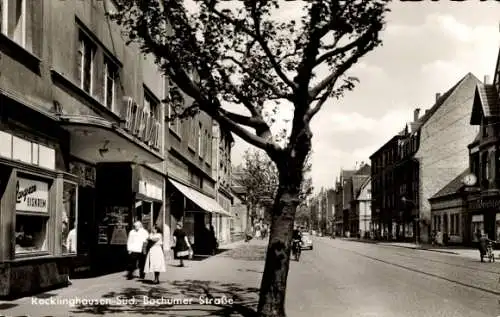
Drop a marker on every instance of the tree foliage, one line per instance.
(259, 177)
(248, 53)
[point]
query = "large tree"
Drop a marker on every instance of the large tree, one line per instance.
(250, 53)
(259, 177)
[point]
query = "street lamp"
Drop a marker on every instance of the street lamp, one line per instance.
(405, 201)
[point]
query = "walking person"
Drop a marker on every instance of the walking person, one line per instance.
(182, 245)
(136, 247)
(155, 260)
(213, 240)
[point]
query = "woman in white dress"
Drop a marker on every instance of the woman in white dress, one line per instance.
(155, 260)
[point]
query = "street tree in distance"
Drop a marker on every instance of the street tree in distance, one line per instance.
(259, 177)
(247, 53)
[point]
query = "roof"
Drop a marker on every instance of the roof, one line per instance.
(357, 183)
(347, 173)
(486, 103)
(452, 187)
(439, 102)
(364, 170)
(394, 138)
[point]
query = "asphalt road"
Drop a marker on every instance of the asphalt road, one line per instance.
(345, 278)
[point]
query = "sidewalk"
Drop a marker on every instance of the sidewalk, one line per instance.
(201, 288)
(455, 250)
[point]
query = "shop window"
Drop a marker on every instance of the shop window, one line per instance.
(497, 227)
(32, 215)
(69, 218)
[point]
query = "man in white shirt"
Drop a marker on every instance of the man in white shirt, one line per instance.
(137, 238)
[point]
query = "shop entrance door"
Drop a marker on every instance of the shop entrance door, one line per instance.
(144, 213)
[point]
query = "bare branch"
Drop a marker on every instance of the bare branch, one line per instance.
(343, 49)
(259, 78)
(260, 38)
(317, 107)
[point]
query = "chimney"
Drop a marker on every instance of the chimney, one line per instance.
(416, 113)
(486, 80)
(438, 95)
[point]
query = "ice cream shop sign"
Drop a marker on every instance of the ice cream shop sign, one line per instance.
(31, 195)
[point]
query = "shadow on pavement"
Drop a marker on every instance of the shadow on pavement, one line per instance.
(247, 252)
(178, 298)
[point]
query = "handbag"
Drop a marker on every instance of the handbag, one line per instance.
(183, 253)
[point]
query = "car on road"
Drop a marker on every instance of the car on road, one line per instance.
(307, 241)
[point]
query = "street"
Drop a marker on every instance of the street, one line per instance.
(345, 278)
(337, 278)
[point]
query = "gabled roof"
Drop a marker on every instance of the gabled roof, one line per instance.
(452, 187)
(346, 174)
(428, 114)
(364, 170)
(357, 183)
(486, 103)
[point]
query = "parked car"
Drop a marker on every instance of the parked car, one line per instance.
(307, 241)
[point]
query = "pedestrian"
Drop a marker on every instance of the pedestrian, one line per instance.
(213, 239)
(136, 247)
(182, 245)
(483, 244)
(155, 259)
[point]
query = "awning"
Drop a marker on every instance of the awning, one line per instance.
(201, 200)
(97, 140)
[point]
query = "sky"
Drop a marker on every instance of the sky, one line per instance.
(427, 48)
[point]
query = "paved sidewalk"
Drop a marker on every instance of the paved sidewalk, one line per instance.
(225, 284)
(464, 252)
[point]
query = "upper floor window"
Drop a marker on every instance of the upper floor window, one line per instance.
(85, 62)
(205, 144)
(110, 78)
(16, 21)
(484, 127)
(200, 139)
(152, 104)
(192, 134)
(175, 104)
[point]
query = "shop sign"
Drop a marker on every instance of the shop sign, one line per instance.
(32, 195)
(150, 190)
(484, 204)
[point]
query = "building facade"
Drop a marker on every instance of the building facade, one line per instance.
(407, 180)
(358, 179)
(449, 213)
(81, 145)
(483, 201)
(442, 152)
(192, 194)
(385, 214)
(222, 143)
(363, 209)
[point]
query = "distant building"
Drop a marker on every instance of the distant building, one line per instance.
(362, 208)
(442, 154)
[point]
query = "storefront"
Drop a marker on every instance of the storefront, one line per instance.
(120, 189)
(484, 216)
(198, 211)
(38, 210)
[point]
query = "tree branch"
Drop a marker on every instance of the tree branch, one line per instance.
(260, 39)
(343, 49)
(317, 107)
(259, 78)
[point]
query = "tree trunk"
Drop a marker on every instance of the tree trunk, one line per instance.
(274, 279)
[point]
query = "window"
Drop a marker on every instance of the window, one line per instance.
(110, 78)
(174, 124)
(32, 215)
(484, 127)
(192, 134)
(210, 150)
(151, 103)
(205, 144)
(15, 21)
(200, 139)
(85, 62)
(176, 106)
(69, 218)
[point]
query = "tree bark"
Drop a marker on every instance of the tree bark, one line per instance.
(274, 279)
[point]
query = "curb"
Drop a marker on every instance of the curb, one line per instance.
(402, 246)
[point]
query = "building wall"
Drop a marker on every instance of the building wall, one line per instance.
(443, 152)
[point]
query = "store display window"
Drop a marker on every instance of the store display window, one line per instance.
(32, 215)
